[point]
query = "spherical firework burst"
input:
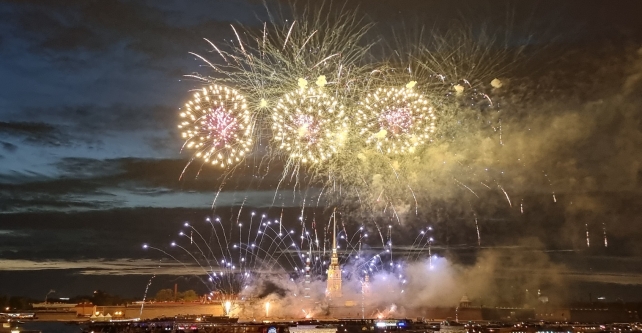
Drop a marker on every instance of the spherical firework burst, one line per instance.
(309, 124)
(217, 124)
(395, 120)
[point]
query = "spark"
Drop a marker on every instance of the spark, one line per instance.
(216, 48)
(468, 188)
(239, 39)
(288, 36)
(506, 194)
(588, 241)
(478, 234)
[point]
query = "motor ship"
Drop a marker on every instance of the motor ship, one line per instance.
(386, 326)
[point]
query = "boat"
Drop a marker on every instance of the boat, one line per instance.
(327, 325)
(386, 325)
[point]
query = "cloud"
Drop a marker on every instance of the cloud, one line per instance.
(9, 147)
(157, 32)
(122, 266)
(33, 133)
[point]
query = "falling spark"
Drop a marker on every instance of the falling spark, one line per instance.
(307, 40)
(325, 59)
(506, 194)
(468, 188)
(216, 48)
(239, 39)
(500, 133)
(550, 184)
(414, 197)
(588, 242)
(478, 234)
(288, 36)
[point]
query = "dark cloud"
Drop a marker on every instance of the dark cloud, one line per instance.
(90, 184)
(96, 120)
(155, 32)
(35, 133)
(87, 177)
(9, 147)
(56, 33)
(24, 201)
(26, 128)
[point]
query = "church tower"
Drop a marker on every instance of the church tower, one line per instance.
(333, 289)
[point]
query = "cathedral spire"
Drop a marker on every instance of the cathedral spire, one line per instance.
(333, 289)
(334, 233)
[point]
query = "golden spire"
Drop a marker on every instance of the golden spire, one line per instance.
(334, 271)
(334, 234)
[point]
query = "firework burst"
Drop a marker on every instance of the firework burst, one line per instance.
(309, 125)
(395, 120)
(217, 125)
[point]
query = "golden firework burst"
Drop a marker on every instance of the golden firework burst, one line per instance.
(395, 120)
(217, 125)
(309, 124)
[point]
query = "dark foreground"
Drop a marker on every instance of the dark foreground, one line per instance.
(205, 324)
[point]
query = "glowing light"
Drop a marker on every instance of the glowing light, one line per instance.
(309, 125)
(228, 307)
(217, 125)
(395, 120)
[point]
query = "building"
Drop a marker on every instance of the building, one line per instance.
(47, 306)
(466, 312)
(85, 309)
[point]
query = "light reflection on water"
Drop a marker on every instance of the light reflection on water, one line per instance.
(452, 329)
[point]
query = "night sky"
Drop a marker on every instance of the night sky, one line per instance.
(90, 154)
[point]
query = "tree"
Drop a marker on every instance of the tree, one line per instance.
(188, 296)
(103, 298)
(19, 303)
(164, 295)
